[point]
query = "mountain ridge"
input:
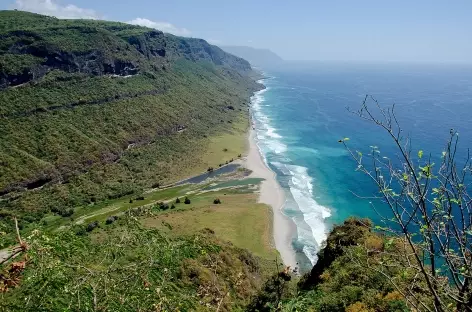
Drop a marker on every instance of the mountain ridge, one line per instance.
(30, 49)
(255, 56)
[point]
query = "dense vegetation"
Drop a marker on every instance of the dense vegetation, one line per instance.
(94, 110)
(121, 266)
(341, 280)
(125, 267)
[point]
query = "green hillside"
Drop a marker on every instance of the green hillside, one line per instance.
(95, 110)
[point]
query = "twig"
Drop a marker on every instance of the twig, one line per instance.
(18, 232)
(221, 301)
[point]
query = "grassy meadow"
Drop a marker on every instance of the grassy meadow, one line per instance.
(238, 219)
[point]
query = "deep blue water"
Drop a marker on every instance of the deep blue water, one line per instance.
(302, 114)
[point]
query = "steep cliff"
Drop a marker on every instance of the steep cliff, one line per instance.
(36, 45)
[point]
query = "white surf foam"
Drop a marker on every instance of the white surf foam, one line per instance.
(267, 136)
(301, 187)
(312, 233)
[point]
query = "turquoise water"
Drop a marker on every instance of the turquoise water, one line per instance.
(302, 114)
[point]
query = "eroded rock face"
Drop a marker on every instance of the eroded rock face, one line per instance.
(111, 53)
(92, 63)
(15, 79)
(151, 44)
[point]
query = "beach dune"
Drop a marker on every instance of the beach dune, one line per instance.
(273, 195)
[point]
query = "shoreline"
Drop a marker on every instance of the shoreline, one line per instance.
(272, 194)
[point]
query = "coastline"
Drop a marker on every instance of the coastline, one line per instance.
(272, 194)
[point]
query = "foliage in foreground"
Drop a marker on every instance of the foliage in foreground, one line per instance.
(128, 268)
(427, 206)
(340, 281)
(420, 258)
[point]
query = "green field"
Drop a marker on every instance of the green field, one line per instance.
(238, 219)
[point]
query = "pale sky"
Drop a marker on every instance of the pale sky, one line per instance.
(348, 30)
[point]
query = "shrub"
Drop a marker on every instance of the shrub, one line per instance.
(177, 201)
(111, 219)
(358, 307)
(163, 206)
(63, 212)
(172, 207)
(187, 201)
(140, 198)
(130, 201)
(272, 293)
(210, 169)
(67, 212)
(217, 201)
(91, 226)
(80, 231)
(156, 185)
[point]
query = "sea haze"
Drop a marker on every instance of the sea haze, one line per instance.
(302, 114)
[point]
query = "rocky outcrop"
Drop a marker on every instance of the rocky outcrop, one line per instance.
(160, 47)
(352, 232)
(92, 63)
(150, 44)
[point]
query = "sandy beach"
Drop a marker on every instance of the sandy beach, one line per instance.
(272, 194)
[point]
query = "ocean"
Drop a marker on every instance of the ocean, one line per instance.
(302, 114)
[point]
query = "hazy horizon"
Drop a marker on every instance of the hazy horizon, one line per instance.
(364, 31)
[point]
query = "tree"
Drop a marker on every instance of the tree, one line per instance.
(111, 219)
(91, 226)
(271, 294)
(187, 201)
(429, 224)
(177, 201)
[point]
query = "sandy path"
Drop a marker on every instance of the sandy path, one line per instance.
(272, 194)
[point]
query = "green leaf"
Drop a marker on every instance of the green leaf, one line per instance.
(389, 243)
(420, 154)
(455, 201)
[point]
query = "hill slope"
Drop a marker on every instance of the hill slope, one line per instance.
(92, 110)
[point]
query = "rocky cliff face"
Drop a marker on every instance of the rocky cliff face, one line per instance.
(94, 48)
